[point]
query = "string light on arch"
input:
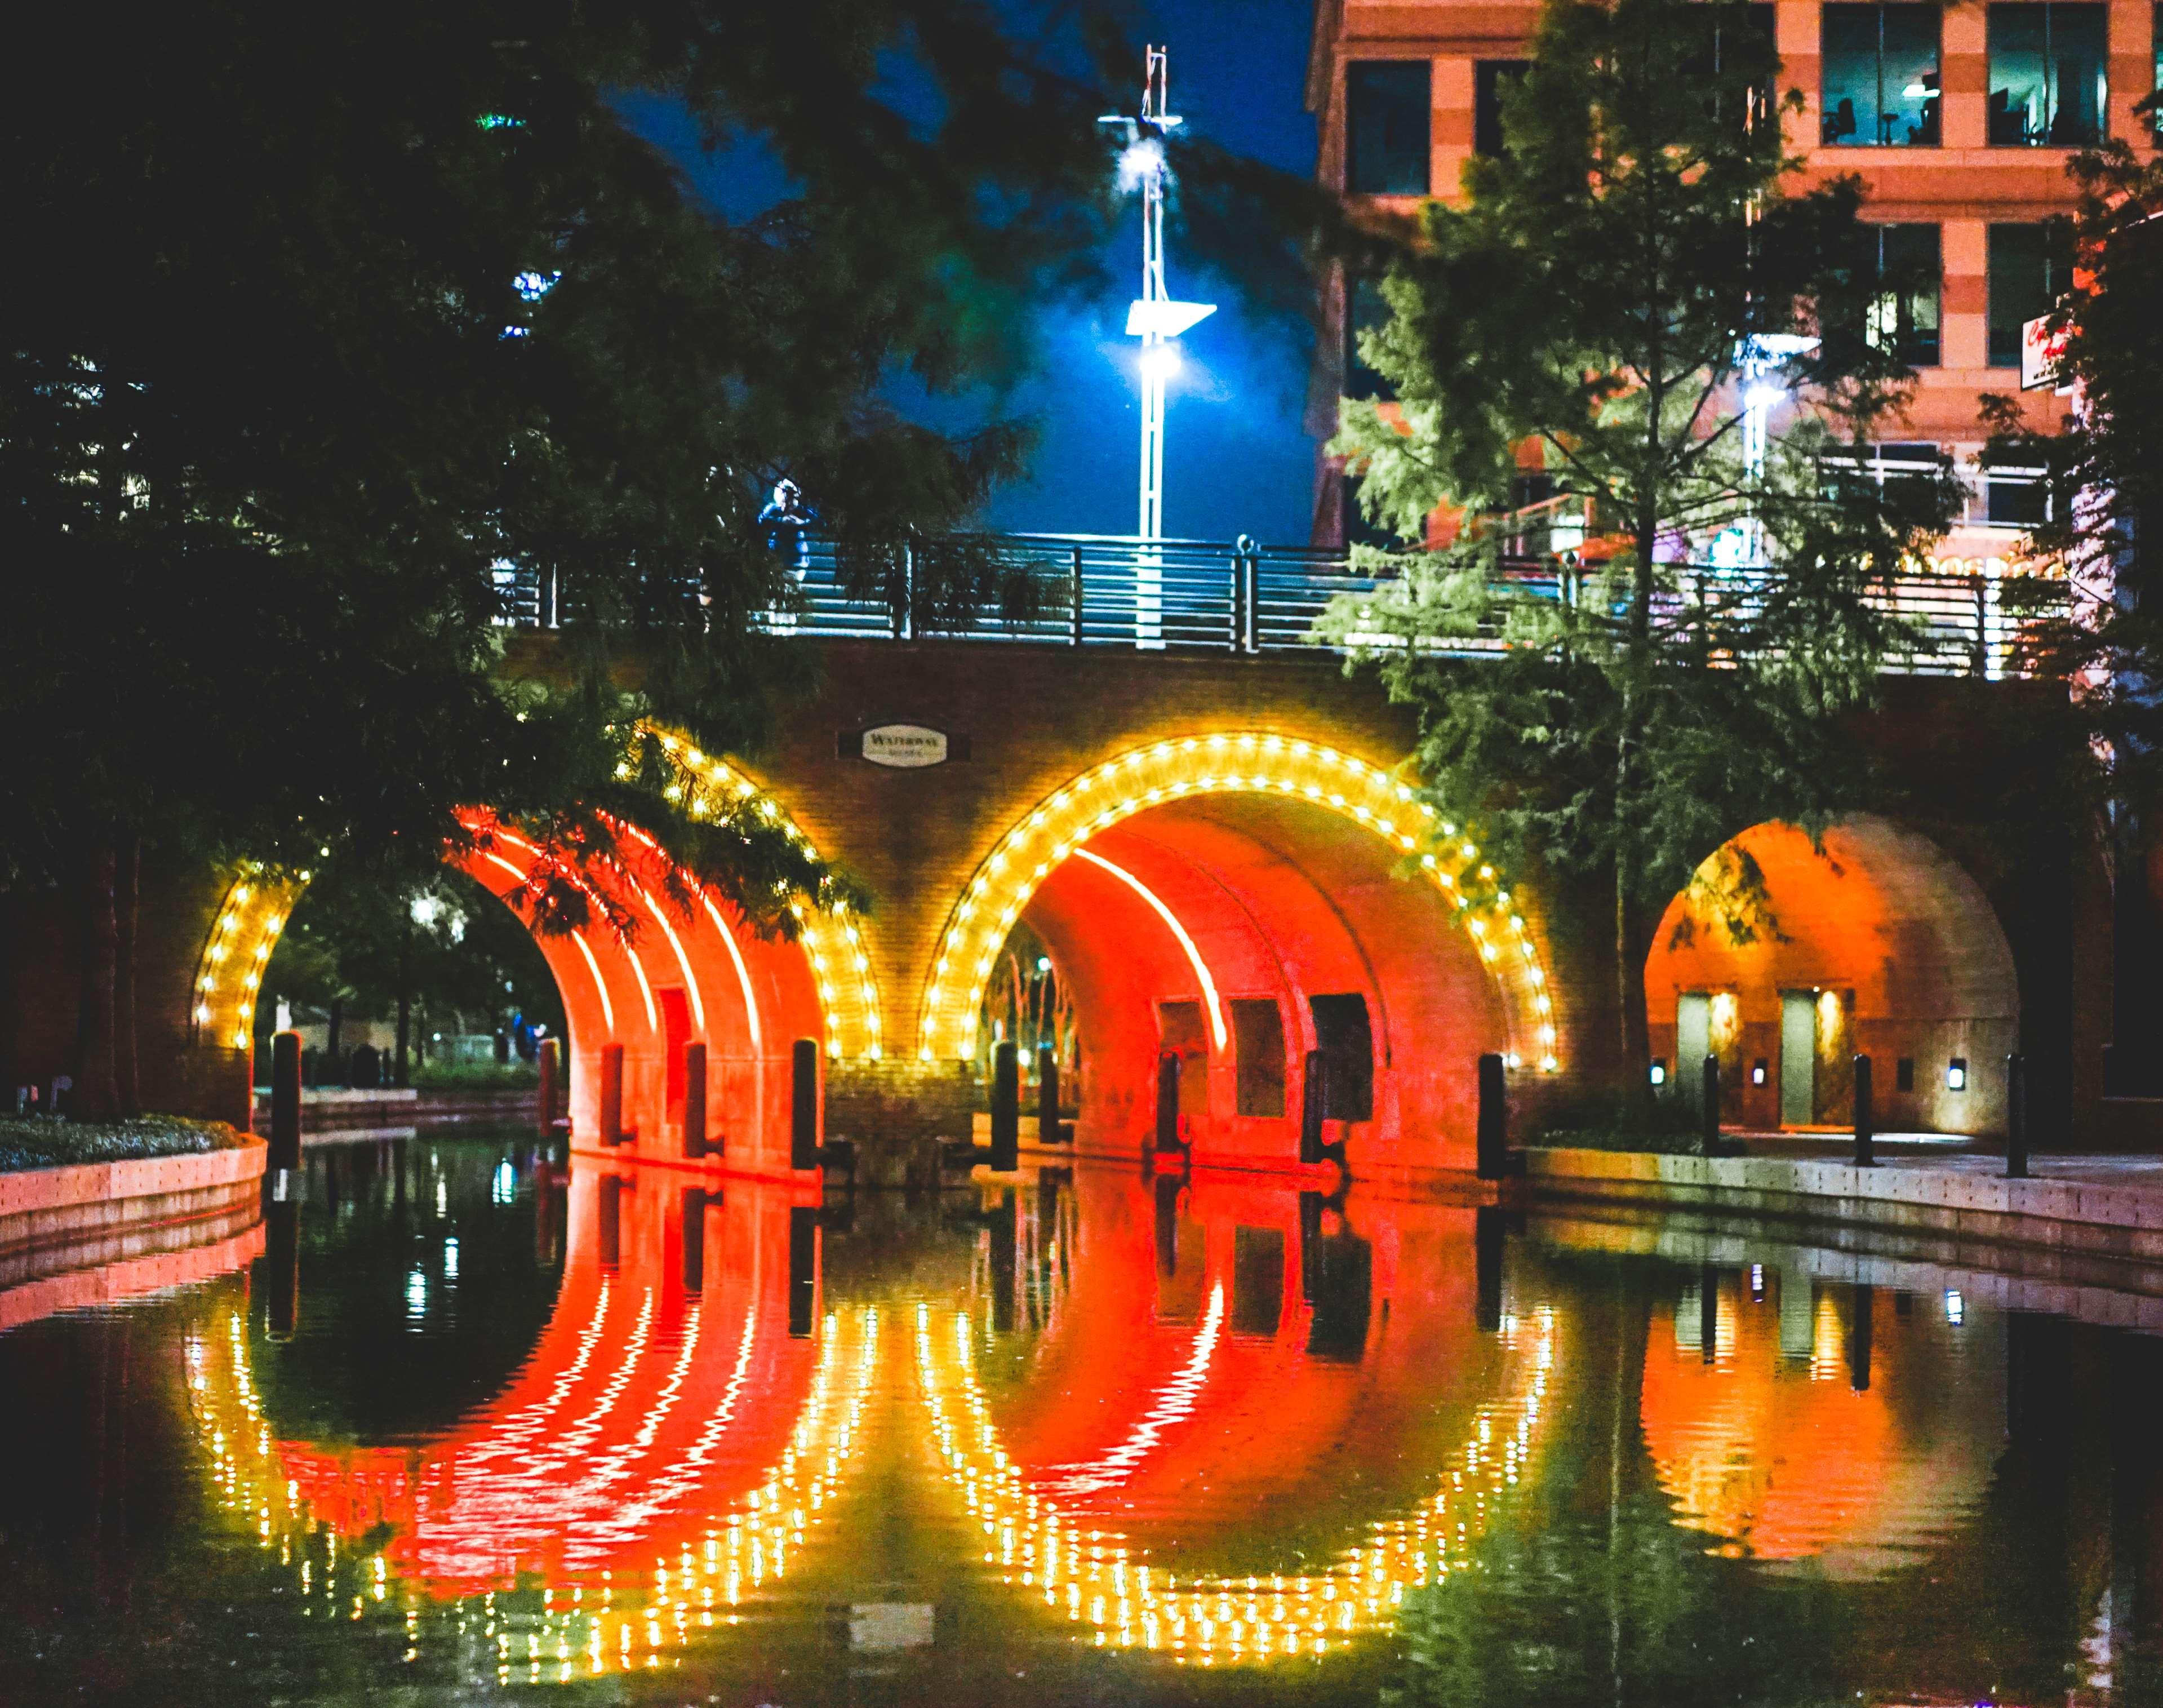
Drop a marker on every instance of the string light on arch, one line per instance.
(1098, 1579)
(228, 974)
(833, 938)
(1225, 762)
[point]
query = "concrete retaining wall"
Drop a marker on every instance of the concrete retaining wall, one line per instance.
(41, 1207)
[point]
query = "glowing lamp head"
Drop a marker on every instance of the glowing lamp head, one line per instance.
(1159, 362)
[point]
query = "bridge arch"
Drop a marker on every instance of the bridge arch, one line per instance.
(1214, 870)
(701, 976)
(1875, 942)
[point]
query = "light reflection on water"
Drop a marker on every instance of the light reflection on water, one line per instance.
(645, 1435)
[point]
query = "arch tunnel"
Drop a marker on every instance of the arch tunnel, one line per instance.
(683, 972)
(1874, 942)
(1247, 903)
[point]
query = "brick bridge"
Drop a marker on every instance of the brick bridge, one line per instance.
(1210, 846)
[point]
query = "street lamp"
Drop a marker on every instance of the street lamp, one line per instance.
(1759, 355)
(1154, 317)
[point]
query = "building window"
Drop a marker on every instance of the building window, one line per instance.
(1904, 313)
(1364, 311)
(2048, 75)
(1881, 88)
(1732, 35)
(2029, 265)
(1388, 110)
(1490, 79)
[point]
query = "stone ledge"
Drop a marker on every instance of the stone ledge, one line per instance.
(2119, 1222)
(38, 1205)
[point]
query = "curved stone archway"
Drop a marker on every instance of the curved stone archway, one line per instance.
(1234, 897)
(681, 976)
(1876, 943)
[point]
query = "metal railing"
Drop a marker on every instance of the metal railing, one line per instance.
(1196, 596)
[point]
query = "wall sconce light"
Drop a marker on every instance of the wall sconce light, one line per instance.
(1659, 1073)
(1956, 1074)
(1757, 1071)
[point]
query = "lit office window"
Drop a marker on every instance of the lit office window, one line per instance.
(2031, 264)
(1387, 111)
(1492, 79)
(1881, 88)
(2048, 82)
(1904, 314)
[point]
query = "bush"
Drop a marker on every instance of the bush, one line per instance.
(41, 1141)
(473, 1075)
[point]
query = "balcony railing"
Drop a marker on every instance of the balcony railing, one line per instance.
(1195, 596)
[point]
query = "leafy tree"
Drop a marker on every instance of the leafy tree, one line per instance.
(325, 325)
(1589, 305)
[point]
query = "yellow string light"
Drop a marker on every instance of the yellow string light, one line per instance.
(1246, 762)
(1098, 1579)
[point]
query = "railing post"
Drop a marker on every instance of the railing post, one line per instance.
(1238, 588)
(905, 607)
(1081, 624)
(1981, 626)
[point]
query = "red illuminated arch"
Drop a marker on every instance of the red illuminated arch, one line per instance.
(1239, 865)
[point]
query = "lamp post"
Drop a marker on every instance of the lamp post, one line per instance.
(1758, 356)
(1156, 318)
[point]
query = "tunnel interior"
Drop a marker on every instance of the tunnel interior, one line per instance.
(676, 978)
(1878, 943)
(1242, 933)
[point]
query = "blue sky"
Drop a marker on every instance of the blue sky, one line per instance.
(1236, 458)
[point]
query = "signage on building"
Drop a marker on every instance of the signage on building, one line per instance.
(2040, 352)
(904, 747)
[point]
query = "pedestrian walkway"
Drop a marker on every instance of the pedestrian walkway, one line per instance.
(2089, 1206)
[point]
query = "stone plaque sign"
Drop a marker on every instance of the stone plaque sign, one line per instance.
(907, 746)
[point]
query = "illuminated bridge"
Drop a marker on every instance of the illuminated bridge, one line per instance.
(1206, 849)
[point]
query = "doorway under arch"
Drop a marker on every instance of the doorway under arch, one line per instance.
(1786, 959)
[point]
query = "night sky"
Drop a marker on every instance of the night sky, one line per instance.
(1237, 457)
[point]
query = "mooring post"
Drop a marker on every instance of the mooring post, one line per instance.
(692, 1212)
(284, 1102)
(1313, 1102)
(1487, 1233)
(283, 1265)
(551, 1091)
(804, 1103)
(611, 1113)
(1167, 1101)
(695, 1101)
(1047, 1095)
(2016, 1117)
(1708, 1115)
(1866, 1129)
(1006, 1107)
(1492, 1135)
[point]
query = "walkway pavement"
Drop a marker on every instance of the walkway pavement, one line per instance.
(2102, 1207)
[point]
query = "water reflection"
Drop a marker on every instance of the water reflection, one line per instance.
(477, 1422)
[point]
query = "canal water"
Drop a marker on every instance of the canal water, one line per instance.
(474, 1425)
